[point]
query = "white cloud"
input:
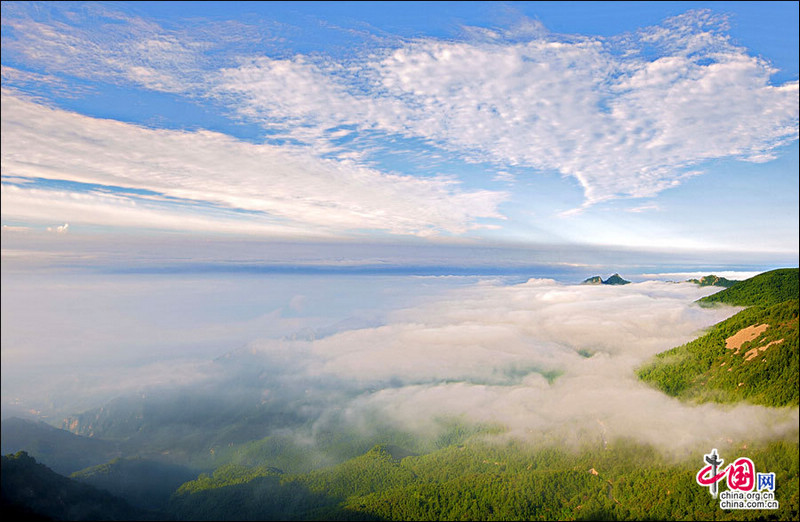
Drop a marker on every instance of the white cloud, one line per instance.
(103, 209)
(288, 189)
(70, 338)
(290, 91)
(728, 274)
(505, 177)
(542, 323)
(22, 79)
(110, 46)
(483, 355)
(60, 229)
(626, 116)
(644, 208)
(14, 229)
(622, 124)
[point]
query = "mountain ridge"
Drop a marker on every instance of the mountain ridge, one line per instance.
(33, 488)
(765, 289)
(62, 451)
(751, 356)
(713, 280)
(614, 279)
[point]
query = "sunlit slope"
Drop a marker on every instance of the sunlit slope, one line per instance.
(751, 356)
(765, 289)
(479, 481)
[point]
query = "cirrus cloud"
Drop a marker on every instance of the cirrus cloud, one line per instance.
(626, 117)
(278, 186)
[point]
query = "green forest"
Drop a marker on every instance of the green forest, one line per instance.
(476, 480)
(752, 356)
(484, 481)
(769, 288)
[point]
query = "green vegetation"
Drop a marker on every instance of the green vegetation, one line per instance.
(34, 490)
(764, 289)
(143, 483)
(482, 481)
(476, 480)
(706, 370)
(712, 280)
(751, 356)
(285, 454)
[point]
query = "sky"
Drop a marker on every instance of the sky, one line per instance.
(387, 204)
(653, 126)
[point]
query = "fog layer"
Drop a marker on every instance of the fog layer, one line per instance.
(542, 360)
(538, 361)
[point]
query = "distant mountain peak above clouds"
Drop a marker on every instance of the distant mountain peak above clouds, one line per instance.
(712, 280)
(614, 279)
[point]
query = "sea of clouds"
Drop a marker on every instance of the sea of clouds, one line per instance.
(539, 360)
(542, 360)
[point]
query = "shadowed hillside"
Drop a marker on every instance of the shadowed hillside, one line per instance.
(33, 488)
(60, 450)
(143, 483)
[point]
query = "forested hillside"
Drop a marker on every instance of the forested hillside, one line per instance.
(143, 483)
(480, 481)
(60, 450)
(751, 356)
(476, 480)
(33, 490)
(764, 289)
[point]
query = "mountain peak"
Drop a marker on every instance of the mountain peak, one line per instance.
(712, 280)
(614, 279)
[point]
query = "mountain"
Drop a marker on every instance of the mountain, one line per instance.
(615, 280)
(236, 492)
(183, 425)
(712, 280)
(478, 480)
(62, 451)
(752, 356)
(765, 289)
(612, 280)
(34, 489)
(143, 483)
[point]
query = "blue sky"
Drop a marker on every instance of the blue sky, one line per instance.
(639, 125)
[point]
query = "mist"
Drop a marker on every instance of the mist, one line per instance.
(72, 341)
(540, 360)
